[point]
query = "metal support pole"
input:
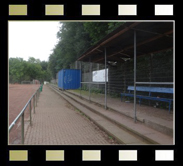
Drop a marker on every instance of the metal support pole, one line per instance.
(30, 113)
(105, 80)
(90, 78)
(98, 67)
(36, 98)
(90, 81)
(34, 103)
(80, 78)
(38, 92)
(155, 83)
(135, 76)
(22, 132)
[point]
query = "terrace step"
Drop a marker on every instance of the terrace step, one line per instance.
(121, 127)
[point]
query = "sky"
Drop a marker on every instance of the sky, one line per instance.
(32, 39)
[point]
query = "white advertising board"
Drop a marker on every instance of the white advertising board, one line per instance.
(99, 75)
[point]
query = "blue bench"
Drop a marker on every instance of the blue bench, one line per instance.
(150, 90)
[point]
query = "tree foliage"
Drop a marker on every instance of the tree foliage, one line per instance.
(21, 70)
(98, 30)
(74, 39)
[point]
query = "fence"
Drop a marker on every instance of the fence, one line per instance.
(29, 104)
(149, 68)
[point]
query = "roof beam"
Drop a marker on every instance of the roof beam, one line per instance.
(111, 38)
(141, 43)
(156, 51)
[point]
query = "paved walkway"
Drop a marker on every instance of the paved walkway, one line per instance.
(57, 123)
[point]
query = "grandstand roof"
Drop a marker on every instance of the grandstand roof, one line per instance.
(151, 37)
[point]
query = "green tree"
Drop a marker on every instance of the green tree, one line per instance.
(46, 75)
(98, 30)
(52, 65)
(34, 70)
(44, 65)
(17, 67)
(74, 39)
(20, 70)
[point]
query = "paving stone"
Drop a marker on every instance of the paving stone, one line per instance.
(56, 122)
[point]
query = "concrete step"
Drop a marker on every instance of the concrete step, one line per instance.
(154, 122)
(119, 126)
(122, 136)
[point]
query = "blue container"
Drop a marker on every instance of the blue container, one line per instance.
(69, 79)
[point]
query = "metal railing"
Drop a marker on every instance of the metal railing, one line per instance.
(35, 97)
(90, 83)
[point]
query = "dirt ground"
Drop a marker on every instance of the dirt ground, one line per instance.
(19, 95)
